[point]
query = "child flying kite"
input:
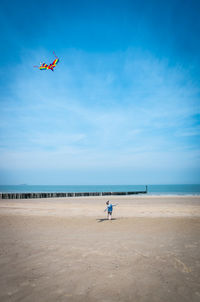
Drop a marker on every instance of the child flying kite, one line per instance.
(109, 209)
(44, 66)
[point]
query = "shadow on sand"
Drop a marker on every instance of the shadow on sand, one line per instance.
(105, 219)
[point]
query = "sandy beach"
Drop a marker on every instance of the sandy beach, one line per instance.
(64, 249)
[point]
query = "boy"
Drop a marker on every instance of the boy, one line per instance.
(109, 209)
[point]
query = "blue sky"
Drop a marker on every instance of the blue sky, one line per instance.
(123, 105)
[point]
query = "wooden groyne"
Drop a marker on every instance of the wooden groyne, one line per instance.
(66, 194)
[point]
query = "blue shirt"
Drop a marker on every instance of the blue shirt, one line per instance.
(110, 208)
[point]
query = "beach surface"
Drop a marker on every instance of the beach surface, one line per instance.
(64, 249)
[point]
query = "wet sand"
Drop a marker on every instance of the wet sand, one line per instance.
(65, 249)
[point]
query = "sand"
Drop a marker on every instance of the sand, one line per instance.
(65, 250)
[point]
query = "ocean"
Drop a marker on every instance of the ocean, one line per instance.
(184, 189)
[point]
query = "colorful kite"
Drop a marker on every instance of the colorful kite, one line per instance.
(51, 66)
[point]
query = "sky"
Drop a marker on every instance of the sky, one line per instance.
(121, 107)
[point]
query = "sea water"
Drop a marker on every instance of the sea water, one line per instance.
(182, 189)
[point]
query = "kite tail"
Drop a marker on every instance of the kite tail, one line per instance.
(55, 54)
(36, 66)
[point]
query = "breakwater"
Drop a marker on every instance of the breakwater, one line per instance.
(65, 194)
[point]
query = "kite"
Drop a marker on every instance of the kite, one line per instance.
(44, 66)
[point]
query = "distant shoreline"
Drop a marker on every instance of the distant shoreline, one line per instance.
(160, 190)
(106, 197)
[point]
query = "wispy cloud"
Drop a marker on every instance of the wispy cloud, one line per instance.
(121, 109)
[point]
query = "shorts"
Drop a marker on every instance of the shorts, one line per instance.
(109, 213)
